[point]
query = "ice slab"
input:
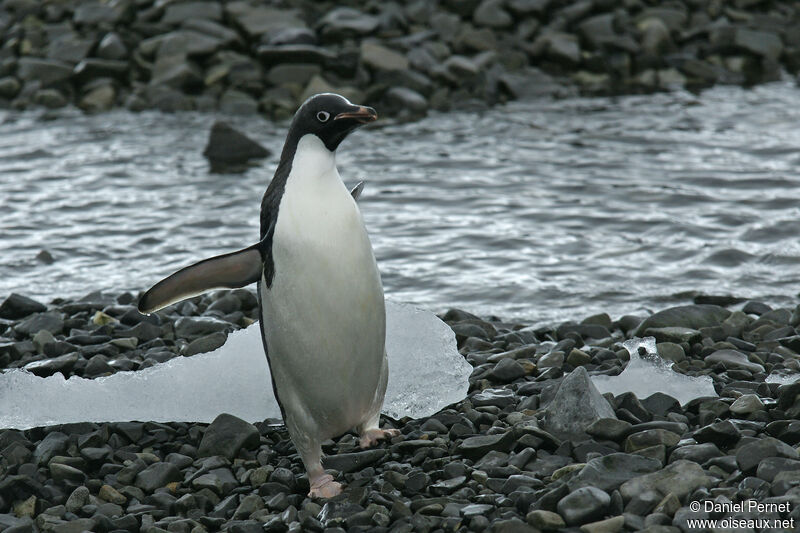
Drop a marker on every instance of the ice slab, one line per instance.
(783, 379)
(648, 374)
(426, 373)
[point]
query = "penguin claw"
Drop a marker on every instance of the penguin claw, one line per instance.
(371, 436)
(325, 487)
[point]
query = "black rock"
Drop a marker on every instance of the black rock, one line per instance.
(157, 475)
(478, 446)
(611, 471)
(17, 306)
(686, 316)
(352, 462)
(226, 435)
(576, 405)
(583, 505)
(228, 147)
(751, 454)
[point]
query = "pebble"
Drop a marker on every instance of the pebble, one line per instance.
(583, 505)
(226, 435)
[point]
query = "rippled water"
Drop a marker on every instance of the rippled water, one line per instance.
(541, 210)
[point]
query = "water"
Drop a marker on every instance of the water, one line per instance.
(541, 211)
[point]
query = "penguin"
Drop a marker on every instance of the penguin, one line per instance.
(322, 310)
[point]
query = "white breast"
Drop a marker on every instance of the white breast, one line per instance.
(324, 315)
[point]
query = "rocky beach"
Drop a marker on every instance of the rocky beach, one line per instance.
(247, 57)
(534, 446)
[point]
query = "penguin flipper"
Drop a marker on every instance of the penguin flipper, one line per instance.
(355, 192)
(228, 271)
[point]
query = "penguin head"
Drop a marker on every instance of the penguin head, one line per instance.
(330, 117)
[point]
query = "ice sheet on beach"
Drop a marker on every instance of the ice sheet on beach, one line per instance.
(650, 374)
(783, 379)
(426, 373)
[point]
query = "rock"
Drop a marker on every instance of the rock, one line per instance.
(186, 327)
(491, 13)
(176, 72)
(610, 471)
(378, 57)
(179, 12)
(354, 462)
(698, 453)
(50, 98)
(55, 443)
(234, 102)
(76, 500)
(95, 13)
(720, 433)
(576, 405)
(403, 100)
(92, 68)
(157, 475)
(750, 455)
(680, 478)
(112, 47)
(770, 467)
(673, 19)
(229, 147)
(761, 43)
(294, 53)
(9, 87)
(609, 525)
(476, 447)
(318, 84)
(205, 344)
(46, 71)
(98, 99)
(671, 351)
(506, 371)
(583, 505)
(259, 21)
(563, 47)
(16, 306)
(288, 73)
(187, 43)
(545, 520)
(747, 404)
(501, 398)
(687, 316)
(675, 335)
(110, 494)
(226, 435)
(63, 472)
(656, 38)
(650, 437)
(345, 22)
(48, 367)
(609, 428)
(219, 480)
(733, 359)
(69, 48)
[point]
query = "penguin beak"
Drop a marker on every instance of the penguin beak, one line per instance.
(361, 114)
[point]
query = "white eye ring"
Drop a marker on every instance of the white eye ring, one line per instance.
(323, 116)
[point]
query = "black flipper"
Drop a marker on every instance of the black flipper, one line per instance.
(356, 191)
(228, 271)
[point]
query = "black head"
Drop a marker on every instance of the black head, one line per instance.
(330, 117)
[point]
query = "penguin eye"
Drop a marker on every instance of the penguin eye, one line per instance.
(323, 116)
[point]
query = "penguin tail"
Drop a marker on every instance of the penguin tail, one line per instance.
(228, 271)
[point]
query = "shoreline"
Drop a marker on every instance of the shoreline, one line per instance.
(248, 58)
(533, 447)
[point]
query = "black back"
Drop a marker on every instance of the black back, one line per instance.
(320, 116)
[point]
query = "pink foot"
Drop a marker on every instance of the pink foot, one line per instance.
(371, 437)
(325, 487)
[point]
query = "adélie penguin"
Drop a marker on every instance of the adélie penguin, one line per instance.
(323, 318)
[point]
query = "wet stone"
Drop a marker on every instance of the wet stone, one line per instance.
(226, 435)
(157, 475)
(583, 505)
(17, 306)
(750, 455)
